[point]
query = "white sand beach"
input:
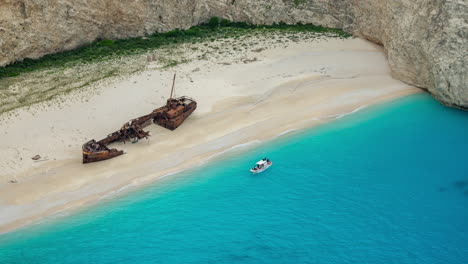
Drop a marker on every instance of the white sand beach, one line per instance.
(253, 99)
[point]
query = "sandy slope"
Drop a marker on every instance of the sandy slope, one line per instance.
(305, 84)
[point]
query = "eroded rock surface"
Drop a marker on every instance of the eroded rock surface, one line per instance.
(426, 41)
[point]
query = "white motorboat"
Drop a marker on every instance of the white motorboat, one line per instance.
(261, 165)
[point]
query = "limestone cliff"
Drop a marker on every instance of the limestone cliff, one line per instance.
(425, 40)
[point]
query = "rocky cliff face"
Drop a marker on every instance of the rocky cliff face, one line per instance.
(425, 40)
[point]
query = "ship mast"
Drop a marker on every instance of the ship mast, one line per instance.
(173, 84)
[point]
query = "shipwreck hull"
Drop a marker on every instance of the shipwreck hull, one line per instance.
(175, 122)
(170, 116)
(96, 151)
(89, 157)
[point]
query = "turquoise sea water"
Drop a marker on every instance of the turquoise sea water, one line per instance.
(388, 184)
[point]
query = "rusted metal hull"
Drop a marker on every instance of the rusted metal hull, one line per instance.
(170, 116)
(96, 151)
(89, 157)
(175, 122)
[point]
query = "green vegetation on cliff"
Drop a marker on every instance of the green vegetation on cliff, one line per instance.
(106, 49)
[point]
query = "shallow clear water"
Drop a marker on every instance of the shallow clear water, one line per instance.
(386, 185)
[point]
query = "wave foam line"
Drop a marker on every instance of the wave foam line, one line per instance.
(338, 116)
(287, 132)
(232, 148)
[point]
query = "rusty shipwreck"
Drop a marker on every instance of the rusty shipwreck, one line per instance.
(170, 116)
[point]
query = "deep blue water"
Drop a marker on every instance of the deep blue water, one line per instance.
(388, 184)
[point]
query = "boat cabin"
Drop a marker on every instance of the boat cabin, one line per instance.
(261, 163)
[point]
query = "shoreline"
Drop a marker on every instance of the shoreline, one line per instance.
(76, 206)
(293, 94)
